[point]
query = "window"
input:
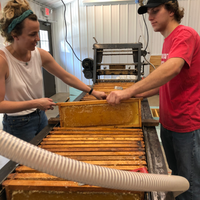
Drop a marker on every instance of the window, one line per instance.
(44, 40)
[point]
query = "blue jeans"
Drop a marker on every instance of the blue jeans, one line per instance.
(183, 156)
(25, 127)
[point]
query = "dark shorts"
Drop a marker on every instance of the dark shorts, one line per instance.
(25, 127)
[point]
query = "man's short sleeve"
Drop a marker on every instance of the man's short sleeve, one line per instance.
(183, 46)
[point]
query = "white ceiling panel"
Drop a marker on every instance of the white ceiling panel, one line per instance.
(52, 3)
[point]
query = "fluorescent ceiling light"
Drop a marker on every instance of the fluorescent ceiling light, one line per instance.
(97, 2)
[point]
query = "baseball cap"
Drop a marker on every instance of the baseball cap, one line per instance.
(152, 4)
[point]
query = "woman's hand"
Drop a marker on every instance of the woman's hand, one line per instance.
(45, 104)
(99, 95)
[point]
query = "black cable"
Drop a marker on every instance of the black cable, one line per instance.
(147, 42)
(147, 32)
(66, 33)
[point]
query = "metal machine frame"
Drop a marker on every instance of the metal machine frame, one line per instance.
(118, 49)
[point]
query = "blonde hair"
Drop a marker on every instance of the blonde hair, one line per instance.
(12, 10)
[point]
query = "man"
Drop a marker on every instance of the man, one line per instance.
(177, 80)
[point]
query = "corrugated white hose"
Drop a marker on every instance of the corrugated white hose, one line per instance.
(69, 169)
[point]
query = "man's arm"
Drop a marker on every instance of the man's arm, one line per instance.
(148, 93)
(157, 78)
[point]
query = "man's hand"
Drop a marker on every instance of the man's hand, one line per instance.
(115, 97)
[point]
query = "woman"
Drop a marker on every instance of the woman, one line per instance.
(21, 82)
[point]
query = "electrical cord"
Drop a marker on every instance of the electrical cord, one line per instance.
(147, 32)
(66, 32)
(150, 63)
(147, 42)
(81, 60)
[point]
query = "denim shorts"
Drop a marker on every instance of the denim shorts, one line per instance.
(183, 156)
(25, 127)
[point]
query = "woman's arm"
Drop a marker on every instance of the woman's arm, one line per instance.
(54, 68)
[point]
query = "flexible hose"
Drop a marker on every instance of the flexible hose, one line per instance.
(69, 169)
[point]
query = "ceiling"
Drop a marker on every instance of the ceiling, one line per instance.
(58, 3)
(53, 3)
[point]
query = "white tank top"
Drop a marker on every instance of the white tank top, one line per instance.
(25, 81)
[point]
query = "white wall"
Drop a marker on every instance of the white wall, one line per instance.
(36, 8)
(108, 24)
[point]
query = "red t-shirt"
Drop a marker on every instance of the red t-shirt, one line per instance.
(180, 97)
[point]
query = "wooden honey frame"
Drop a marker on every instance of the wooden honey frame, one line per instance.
(100, 113)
